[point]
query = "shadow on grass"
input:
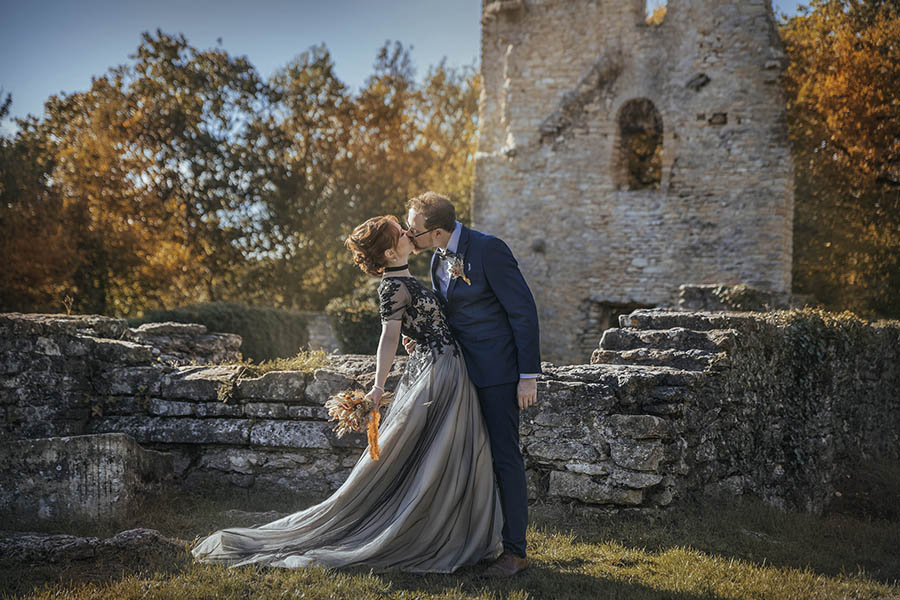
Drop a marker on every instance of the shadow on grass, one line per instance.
(538, 581)
(747, 529)
(618, 562)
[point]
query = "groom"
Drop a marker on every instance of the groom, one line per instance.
(494, 318)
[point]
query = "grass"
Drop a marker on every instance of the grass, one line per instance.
(741, 549)
(305, 360)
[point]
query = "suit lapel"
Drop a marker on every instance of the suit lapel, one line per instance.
(461, 249)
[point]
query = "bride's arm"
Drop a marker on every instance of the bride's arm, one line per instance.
(387, 349)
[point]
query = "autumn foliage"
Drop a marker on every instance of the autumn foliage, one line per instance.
(184, 177)
(843, 85)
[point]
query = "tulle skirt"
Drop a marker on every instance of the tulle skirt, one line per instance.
(430, 504)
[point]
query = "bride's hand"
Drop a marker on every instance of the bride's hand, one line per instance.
(374, 396)
(409, 344)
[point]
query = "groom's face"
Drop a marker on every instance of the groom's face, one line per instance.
(417, 233)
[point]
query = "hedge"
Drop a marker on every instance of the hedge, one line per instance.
(355, 319)
(267, 333)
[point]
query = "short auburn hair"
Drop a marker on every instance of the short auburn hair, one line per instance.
(370, 240)
(437, 210)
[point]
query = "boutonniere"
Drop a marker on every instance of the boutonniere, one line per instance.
(456, 268)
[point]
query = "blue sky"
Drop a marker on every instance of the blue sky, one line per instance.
(53, 46)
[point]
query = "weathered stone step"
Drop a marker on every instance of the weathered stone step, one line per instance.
(676, 338)
(689, 360)
(653, 389)
(620, 377)
(656, 318)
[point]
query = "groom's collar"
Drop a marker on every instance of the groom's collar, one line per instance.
(453, 244)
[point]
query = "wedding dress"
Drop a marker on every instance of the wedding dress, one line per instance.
(430, 504)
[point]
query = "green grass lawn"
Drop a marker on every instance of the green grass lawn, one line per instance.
(739, 549)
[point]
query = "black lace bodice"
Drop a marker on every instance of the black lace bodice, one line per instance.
(419, 310)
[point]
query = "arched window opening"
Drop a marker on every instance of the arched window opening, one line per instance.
(655, 11)
(640, 145)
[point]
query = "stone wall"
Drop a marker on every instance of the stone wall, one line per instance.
(549, 168)
(644, 428)
(789, 400)
(86, 476)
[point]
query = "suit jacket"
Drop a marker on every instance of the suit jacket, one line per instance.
(495, 318)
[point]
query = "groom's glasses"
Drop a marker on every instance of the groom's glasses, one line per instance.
(411, 231)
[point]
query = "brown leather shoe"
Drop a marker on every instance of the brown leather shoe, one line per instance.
(507, 565)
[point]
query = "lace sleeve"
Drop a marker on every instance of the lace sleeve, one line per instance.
(394, 298)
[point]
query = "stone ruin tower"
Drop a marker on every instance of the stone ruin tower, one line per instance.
(620, 159)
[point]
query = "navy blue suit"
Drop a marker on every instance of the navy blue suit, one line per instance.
(496, 323)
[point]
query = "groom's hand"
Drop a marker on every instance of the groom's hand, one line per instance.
(409, 344)
(527, 392)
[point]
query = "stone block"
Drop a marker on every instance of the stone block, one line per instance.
(131, 381)
(634, 479)
(218, 409)
(266, 410)
(584, 488)
(588, 468)
(197, 383)
(186, 343)
(282, 386)
(637, 427)
(176, 430)
(561, 450)
(171, 408)
(85, 476)
(118, 351)
(326, 383)
(310, 413)
(637, 455)
(289, 434)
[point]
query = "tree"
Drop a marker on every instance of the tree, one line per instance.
(843, 85)
(38, 253)
(149, 179)
(338, 159)
(183, 176)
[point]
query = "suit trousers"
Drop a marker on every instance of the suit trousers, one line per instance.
(500, 406)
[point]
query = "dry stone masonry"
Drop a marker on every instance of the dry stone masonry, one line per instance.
(83, 476)
(621, 159)
(677, 405)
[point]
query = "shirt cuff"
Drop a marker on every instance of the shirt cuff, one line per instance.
(528, 375)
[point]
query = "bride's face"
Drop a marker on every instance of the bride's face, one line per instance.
(404, 246)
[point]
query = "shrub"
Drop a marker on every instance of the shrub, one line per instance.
(267, 333)
(355, 318)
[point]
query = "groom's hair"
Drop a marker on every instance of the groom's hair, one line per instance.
(437, 210)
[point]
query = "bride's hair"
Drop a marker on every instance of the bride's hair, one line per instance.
(370, 240)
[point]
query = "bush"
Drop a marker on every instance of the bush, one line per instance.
(267, 333)
(355, 318)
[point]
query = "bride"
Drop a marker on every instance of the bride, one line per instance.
(430, 503)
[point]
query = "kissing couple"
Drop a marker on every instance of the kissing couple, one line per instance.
(431, 503)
